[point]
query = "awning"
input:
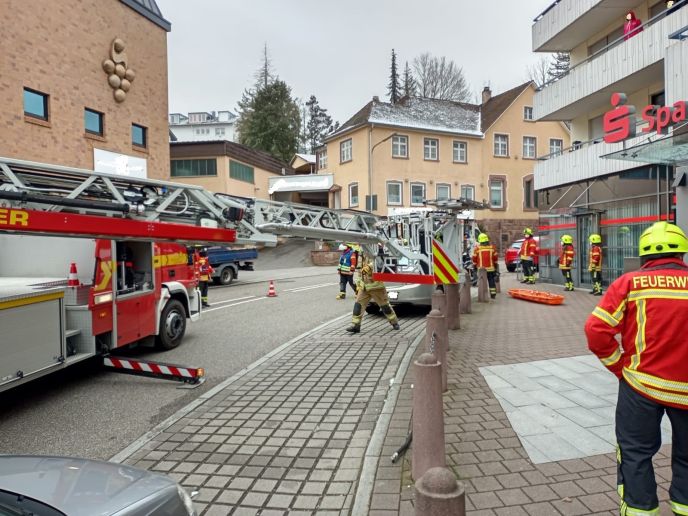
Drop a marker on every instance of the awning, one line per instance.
(667, 150)
(307, 183)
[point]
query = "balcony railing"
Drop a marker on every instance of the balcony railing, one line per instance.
(658, 17)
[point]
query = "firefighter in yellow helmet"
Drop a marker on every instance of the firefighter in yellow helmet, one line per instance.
(485, 257)
(647, 309)
(595, 263)
(566, 261)
(527, 255)
(370, 290)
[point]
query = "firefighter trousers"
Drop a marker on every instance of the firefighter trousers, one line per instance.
(345, 279)
(491, 281)
(596, 281)
(528, 271)
(639, 437)
(568, 279)
(203, 286)
(379, 296)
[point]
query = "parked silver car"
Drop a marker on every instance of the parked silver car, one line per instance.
(58, 486)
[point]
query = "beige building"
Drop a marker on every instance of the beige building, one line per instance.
(226, 167)
(84, 83)
(422, 149)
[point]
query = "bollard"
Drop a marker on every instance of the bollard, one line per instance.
(438, 493)
(436, 340)
(452, 292)
(465, 305)
(483, 288)
(439, 301)
(428, 416)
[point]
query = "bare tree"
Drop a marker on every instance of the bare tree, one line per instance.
(440, 78)
(539, 72)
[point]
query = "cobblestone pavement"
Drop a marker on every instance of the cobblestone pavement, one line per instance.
(482, 447)
(289, 436)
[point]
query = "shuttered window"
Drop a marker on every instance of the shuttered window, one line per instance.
(241, 172)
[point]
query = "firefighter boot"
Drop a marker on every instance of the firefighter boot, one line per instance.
(354, 328)
(341, 295)
(396, 326)
(598, 289)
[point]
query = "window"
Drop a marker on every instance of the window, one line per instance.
(345, 149)
(460, 152)
(468, 192)
(430, 147)
(400, 146)
(93, 122)
(219, 131)
(240, 172)
(528, 113)
(497, 193)
(556, 146)
(530, 201)
(322, 160)
(394, 192)
(501, 145)
(193, 167)
(35, 104)
(605, 41)
(138, 135)
(596, 128)
(417, 193)
(353, 195)
(443, 192)
(529, 147)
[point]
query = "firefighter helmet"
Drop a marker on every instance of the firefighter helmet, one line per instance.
(595, 239)
(528, 232)
(483, 238)
(566, 239)
(663, 238)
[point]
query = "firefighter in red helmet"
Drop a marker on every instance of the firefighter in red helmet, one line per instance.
(647, 309)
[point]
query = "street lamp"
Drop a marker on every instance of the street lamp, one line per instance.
(369, 199)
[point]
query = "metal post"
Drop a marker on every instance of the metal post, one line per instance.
(428, 416)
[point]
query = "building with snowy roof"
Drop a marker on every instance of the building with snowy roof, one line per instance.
(203, 126)
(389, 156)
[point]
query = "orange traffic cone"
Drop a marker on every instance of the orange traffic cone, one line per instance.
(73, 280)
(271, 290)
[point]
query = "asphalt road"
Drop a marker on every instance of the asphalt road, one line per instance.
(87, 412)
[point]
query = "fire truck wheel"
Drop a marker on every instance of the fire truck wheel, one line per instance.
(172, 325)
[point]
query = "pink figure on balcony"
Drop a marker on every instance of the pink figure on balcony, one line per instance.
(632, 26)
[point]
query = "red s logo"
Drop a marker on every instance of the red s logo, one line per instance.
(619, 124)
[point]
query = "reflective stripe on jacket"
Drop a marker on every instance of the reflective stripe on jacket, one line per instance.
(595, 261)
(204, 269)
(367, 278)
(566, 257)
(347, 262)
(528, 249)
(485, 257)
(647, 308)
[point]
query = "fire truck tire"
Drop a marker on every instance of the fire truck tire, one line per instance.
(373, 309)
(172, 325)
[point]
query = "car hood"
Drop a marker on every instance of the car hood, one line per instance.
(79, 486)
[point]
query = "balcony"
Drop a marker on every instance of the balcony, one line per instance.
(582, 162)
(624, 65)
(565, 24)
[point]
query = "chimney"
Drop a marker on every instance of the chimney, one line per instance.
(487, 94)
(376, 99)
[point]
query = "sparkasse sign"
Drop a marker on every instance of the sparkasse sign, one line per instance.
(621, 122)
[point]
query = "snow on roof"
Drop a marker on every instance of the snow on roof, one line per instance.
(309, 158)
(429, 114)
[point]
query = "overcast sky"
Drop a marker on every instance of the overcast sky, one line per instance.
(338, 51)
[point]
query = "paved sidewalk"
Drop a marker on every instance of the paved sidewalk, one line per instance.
(485, 405)
(290, 436)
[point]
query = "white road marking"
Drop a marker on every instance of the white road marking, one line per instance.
(251, 300)
(231, 300)
(309, 287)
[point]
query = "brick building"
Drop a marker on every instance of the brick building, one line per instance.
(84, 84)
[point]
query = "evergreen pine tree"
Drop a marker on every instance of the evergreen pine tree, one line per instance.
(264, 75)
(409, 82)
(560, 66)
(318, 125)
(393, 87)
(269, 120)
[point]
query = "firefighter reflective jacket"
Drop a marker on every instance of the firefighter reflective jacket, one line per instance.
(595, 262)
(485, 257)
(347, 262)
(204, 269)
(366, 280)
(528, 249)
(566, 257)
(647, 307)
